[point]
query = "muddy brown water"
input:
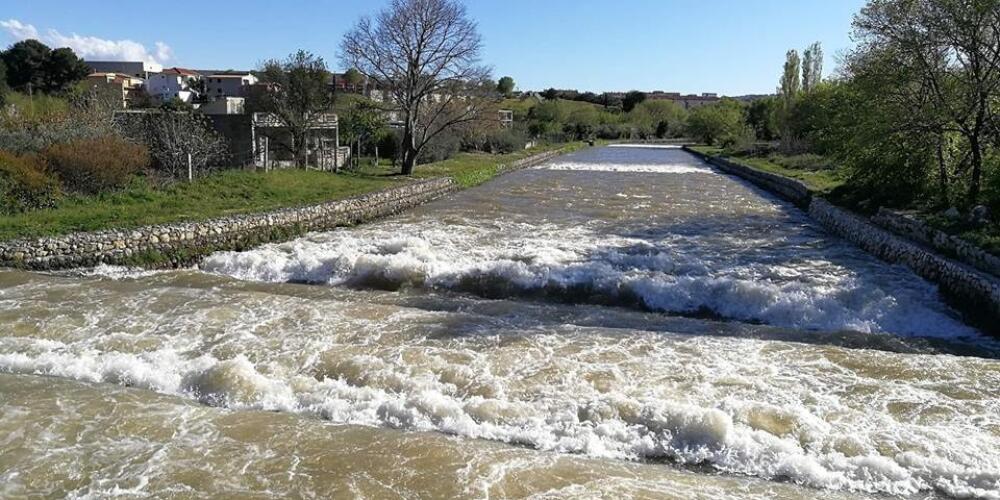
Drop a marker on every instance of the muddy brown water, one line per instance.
(620, 322)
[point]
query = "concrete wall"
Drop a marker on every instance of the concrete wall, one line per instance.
(971, 291)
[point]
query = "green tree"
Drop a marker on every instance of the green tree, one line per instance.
(296, 92)
(505, 86)
(353, 77)
(632, 99)
(812, 66)
(762, 115)
(950, 49)
(3, 83)
(62, 70)
(661, 118)
(363, 123)
(790, 83)
(25, 62)
(716, 123)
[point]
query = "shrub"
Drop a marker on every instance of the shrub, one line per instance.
(441, 147)
(805, 161)
(97, 165)
(25, 184)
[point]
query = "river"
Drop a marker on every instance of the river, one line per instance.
(621, 321)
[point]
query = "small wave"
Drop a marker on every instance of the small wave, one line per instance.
(646, 146)
(577, 266)
(736, 437)
(656, 168)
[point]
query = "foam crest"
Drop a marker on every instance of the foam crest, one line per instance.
(759, 440)
(579, 265)
(655, 168)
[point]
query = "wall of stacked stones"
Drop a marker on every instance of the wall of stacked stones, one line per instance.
(945, 243)
(183, 243)
(972, 291)
(180, 244)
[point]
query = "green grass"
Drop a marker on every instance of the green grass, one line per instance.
(226, 193)
(822, 181)
(472, 169)
(238, 192)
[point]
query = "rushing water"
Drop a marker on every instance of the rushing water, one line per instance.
(619, 322)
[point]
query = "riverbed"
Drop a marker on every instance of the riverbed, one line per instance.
(621, 321)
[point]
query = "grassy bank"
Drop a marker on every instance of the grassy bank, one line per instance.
(237, 192)
(821, 180)
(832, 184)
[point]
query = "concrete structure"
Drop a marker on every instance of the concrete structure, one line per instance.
(220, 85)
(126, 87)
(173, 83)
(138, 69)
(224, 106)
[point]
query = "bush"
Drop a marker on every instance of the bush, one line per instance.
(495, 141)
(97, 165)
(610, 131)
(25, 184)
(440, 148)
(806, 161)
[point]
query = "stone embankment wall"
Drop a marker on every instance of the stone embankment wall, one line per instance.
(945, 243)
(975, 293)
(183, 243)
(179, 244)
(790, 189)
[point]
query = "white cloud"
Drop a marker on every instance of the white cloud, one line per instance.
(19, 30)
(90, 47)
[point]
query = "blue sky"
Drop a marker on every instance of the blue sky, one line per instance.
(731, 47)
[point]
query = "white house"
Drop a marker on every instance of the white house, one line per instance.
(223, 84)
(173, 83)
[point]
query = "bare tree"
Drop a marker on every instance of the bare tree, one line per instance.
(426, 52)
(297, 91)
(183, 144)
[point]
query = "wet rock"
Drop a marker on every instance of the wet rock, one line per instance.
(980, 215)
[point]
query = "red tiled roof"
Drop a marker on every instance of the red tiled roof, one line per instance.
(182, 71)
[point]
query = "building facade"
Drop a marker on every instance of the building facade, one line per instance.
(122, 86)
(174, 83)
(137, 69)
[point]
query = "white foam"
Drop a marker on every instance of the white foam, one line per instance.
(646, 146)
(730, 434)
(516, 259)
(656, 168)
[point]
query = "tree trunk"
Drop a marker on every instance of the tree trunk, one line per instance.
(942, 172)
(409, 148)
(977, 169)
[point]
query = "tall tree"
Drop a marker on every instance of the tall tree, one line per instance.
(952, 47)
(505, 86)
(33, 66)
(427, 53)
(812, 66)
(632, 99)
(3, 82)
(296, 91)
(790, 84)
(25, 62)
